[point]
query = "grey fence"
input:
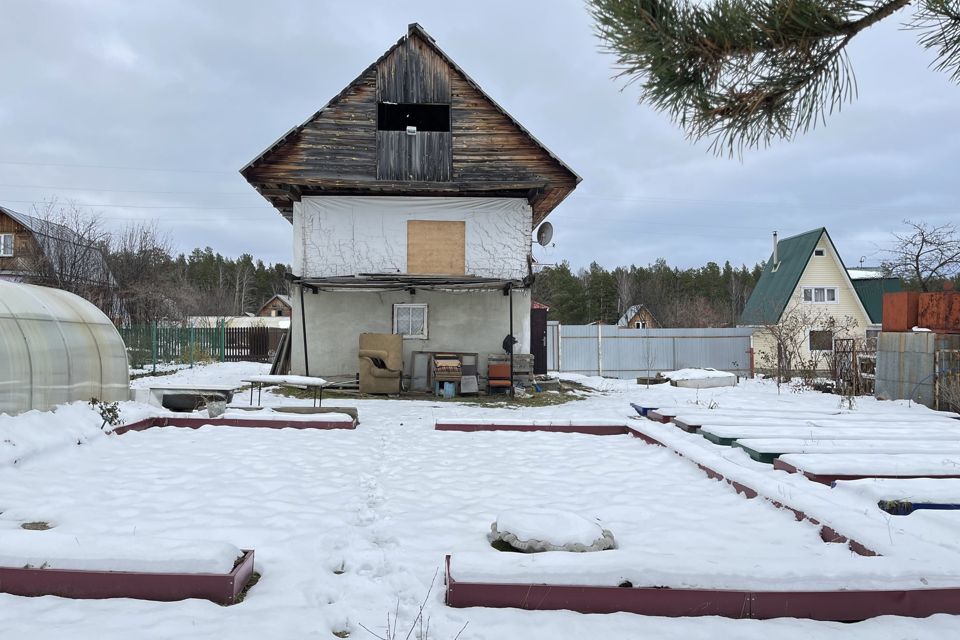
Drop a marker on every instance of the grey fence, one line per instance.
(615, 352)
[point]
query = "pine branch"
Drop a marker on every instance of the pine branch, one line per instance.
(740, 72)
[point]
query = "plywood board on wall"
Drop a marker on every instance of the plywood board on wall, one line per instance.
(436, 247)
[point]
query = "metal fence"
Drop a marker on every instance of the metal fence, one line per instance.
(153, 343)
(615, 352)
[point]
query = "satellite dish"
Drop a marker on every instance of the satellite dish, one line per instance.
(544, 234)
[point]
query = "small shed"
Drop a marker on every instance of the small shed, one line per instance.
(279, 306)
(55, 347)
(638, 317)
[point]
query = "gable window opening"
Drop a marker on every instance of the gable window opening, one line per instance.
(6, 245)
(820, 295)
(821, 340)
(818, 252)
(410, 320)
(392, 116)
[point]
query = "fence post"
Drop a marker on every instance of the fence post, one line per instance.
(190, 346)
(599, 351)
(153, 344)
(223, 340)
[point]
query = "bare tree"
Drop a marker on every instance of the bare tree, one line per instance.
(925, 253)
(146, 285)
(790, 336)
(69, 253)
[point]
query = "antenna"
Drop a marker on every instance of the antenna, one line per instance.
(544, 234)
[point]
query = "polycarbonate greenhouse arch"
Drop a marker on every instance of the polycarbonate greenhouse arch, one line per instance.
(56, 347)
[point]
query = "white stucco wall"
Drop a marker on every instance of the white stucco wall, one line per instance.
(467, 321)
(342, 236)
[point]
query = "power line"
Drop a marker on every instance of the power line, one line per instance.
(38, 186)
(113, 167)
(145, 206)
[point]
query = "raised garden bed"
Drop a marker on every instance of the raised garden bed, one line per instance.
(820, 468)
(842, 605)
(597, 428)
(257, 423)
(166, 587)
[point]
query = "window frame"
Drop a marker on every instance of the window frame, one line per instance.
(424, 335)
(13, 240)
(810, 337)
(819, 253)
(813, 294)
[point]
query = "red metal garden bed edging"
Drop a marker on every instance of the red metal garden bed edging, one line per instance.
(196, 423)
(656, 416)
(829, 479)
(839, 606)
(826, 534)
(589, 429)
(164, 587)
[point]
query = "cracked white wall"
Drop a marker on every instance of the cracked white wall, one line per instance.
(341, 235)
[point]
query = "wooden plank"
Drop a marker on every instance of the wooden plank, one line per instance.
(436, 247)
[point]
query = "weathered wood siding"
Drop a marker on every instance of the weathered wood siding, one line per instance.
(23, 243)
(425, 157)
(413, 73)
(338, 152)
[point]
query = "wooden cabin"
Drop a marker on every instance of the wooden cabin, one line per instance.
(279, 306)
(413, 197)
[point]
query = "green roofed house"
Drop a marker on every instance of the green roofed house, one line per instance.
(806, 281)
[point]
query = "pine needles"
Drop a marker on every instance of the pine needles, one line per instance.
(742, 73)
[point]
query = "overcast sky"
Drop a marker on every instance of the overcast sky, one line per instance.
(149, 109)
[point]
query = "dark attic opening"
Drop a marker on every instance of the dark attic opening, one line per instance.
(392, 116)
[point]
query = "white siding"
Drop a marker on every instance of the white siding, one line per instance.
(341, 236)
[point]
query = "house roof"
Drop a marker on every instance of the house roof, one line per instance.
(632, 311)
(413, 30)
(871, 292)
(772, 293)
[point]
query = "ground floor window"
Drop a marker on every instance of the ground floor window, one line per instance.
(410, 320)
(6, 245)
(821, 340)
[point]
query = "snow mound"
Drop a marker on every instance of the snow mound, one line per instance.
(535, 530)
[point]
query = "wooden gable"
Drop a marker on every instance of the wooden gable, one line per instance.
(341, 150)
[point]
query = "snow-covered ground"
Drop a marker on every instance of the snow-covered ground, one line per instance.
(349, 526)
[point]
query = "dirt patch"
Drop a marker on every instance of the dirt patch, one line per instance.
(36, 526)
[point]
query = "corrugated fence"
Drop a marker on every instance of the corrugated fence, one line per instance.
(614, 352)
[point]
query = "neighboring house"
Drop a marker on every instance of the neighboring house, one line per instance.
(805, 284)
(16, 243)
(50, 254)
(638, 317)
(413, 197)
(277, 306)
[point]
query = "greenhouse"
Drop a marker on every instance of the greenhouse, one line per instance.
(56, 347)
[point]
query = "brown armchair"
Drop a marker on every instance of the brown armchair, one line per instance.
(381, 362)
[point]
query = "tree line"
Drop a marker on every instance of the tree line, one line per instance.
(708, 296)
(135, 276)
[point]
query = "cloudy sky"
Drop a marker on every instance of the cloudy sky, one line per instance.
(149, 109)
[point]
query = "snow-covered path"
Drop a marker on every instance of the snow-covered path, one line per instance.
(347, 524)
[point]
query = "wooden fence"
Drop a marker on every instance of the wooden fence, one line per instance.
(154, 343)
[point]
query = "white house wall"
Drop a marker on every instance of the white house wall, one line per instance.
(342, 236)
(465, 321)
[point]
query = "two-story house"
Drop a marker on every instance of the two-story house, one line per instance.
(413, 197)
(806, 289)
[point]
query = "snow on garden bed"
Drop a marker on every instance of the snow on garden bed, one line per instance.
(879, 464)
(822, 433)
(234, 413)
(792, 445)
(52, 550)
(613, 568)
(220, 373)
(935, 490)
(696, 374)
